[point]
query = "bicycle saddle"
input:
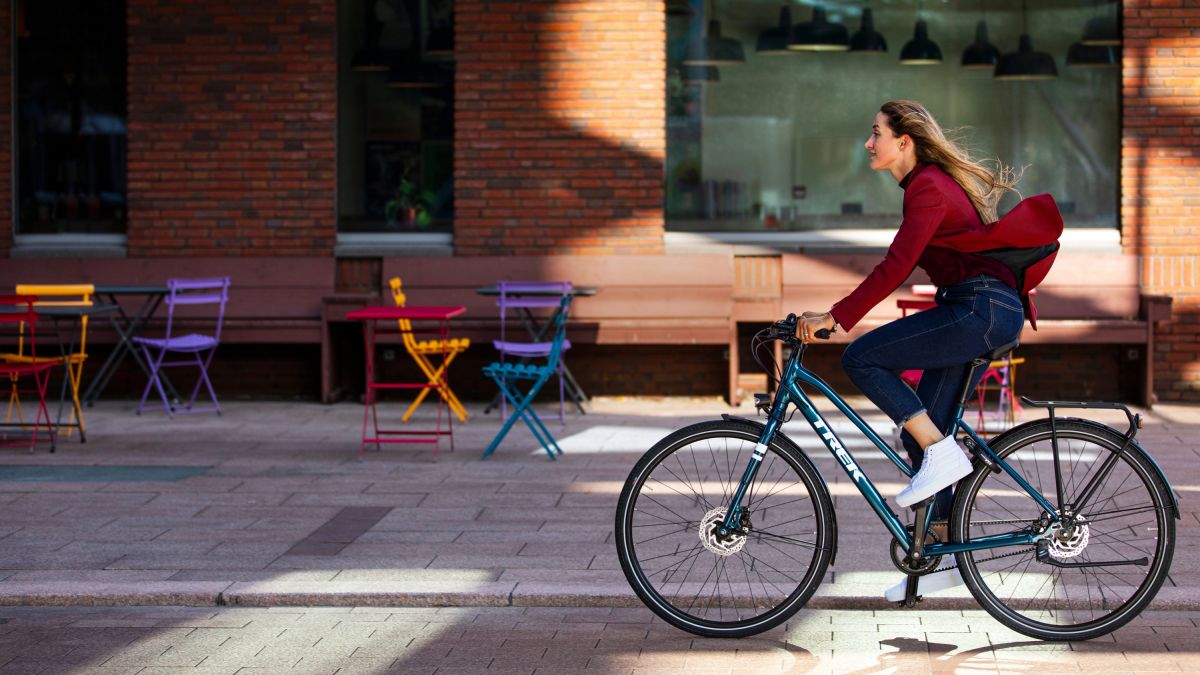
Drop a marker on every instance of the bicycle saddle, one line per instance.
(1001, 351)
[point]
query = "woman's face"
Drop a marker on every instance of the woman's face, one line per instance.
(883, 146)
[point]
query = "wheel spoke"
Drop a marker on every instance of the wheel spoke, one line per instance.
(693, 577)
(1127, 519)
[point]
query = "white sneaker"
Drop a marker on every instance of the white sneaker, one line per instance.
(930, 583)
(944, 464)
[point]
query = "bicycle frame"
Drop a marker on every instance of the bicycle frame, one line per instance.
(789, 392)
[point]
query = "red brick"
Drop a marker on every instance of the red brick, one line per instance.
(581, 116)
(234, 120)
(1160, 169)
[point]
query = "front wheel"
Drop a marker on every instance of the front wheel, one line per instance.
(670, 547)
(1129, 518)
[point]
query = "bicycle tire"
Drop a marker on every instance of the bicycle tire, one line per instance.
(1129, 517)
(670, 499)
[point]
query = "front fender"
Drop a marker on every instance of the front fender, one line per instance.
(803, 457)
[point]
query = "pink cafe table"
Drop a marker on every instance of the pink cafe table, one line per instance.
(437, 320)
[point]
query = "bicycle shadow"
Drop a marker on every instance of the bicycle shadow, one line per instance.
(941, 656)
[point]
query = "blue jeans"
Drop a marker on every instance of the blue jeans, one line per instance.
(971, 319)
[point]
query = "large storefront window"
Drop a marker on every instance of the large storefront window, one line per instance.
(766, 124)
(70, 110)
(395, 116)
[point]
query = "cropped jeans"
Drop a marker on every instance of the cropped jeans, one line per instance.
(970, 319)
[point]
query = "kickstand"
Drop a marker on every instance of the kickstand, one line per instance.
(910, 592)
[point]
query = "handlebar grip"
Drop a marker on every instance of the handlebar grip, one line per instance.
(824, 333)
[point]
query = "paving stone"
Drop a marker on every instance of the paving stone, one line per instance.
(543, 528)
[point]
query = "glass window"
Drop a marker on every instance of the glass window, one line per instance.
(775, 142)
(395, 116)
(70, 108)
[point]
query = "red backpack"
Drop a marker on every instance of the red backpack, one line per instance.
(1025, 240)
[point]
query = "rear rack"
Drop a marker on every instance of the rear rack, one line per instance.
(1135, 420)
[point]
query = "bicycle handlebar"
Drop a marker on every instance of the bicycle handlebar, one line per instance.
(785, 329)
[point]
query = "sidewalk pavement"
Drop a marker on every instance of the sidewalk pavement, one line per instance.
(538, 640)
(267, 505)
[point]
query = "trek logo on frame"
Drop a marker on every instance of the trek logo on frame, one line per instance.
(836, 445)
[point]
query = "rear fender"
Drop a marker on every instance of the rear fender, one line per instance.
(1134, 446)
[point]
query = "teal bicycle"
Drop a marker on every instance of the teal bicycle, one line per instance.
(1064, 531)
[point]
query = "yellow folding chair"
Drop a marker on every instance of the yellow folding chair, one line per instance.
(422, 350)
(56, 295)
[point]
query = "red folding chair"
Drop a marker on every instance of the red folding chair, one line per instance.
(18, 317)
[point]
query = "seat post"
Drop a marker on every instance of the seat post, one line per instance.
(967, 389)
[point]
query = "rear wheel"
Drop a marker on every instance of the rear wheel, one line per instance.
(1129, 518)
(668, 540)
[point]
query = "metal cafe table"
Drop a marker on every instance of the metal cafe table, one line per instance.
(58, 316)
(438, 318)
(126, 327)
(538, 331)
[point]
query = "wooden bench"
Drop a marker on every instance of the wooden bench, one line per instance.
(641, 300)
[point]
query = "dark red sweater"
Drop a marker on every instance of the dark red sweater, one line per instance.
(933, 204)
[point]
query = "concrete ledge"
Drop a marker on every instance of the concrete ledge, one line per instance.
(70, 593)
(441, 594)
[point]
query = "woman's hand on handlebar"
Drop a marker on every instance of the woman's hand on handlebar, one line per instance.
(811, 322)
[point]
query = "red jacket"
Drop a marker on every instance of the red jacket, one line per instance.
(942, 233)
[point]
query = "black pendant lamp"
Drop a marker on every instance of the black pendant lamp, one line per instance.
(867, 40)
(679, 8)
(1080, 55)
(370, 58)
(980, 54)
(1102, 31)
(1025, 63)
(775, 40)
(819, 35)
(920, 50)
(711, 49)
(700, 74)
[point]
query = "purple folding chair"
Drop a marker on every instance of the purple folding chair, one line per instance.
(213, 291)
(523, 296)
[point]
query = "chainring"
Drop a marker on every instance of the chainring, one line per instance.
(900, 556)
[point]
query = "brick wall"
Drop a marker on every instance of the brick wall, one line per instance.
(1160, 168)
(6, 121)
(559, 134)
(231, 127)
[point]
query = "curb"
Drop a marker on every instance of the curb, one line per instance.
(362, 596)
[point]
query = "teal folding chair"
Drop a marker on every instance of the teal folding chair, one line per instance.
(509, 376)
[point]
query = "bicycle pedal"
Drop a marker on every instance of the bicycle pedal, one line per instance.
(907, 604)
(973, 447)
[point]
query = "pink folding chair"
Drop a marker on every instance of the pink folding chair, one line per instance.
(200, 348)
(19, 313)
(522, 297)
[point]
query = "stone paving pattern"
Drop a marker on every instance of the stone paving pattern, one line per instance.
(274, 521)
(515, 553)
(345, 640)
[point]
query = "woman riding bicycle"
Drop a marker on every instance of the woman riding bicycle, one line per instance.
(946, 192)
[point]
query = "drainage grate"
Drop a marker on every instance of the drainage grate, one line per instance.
(98, 474)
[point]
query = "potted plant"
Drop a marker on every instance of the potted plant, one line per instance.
(409, 205)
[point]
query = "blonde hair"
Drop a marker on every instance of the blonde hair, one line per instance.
(984, 185)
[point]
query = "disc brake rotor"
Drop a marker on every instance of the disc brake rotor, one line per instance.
(1068, 543)
(710, 534)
